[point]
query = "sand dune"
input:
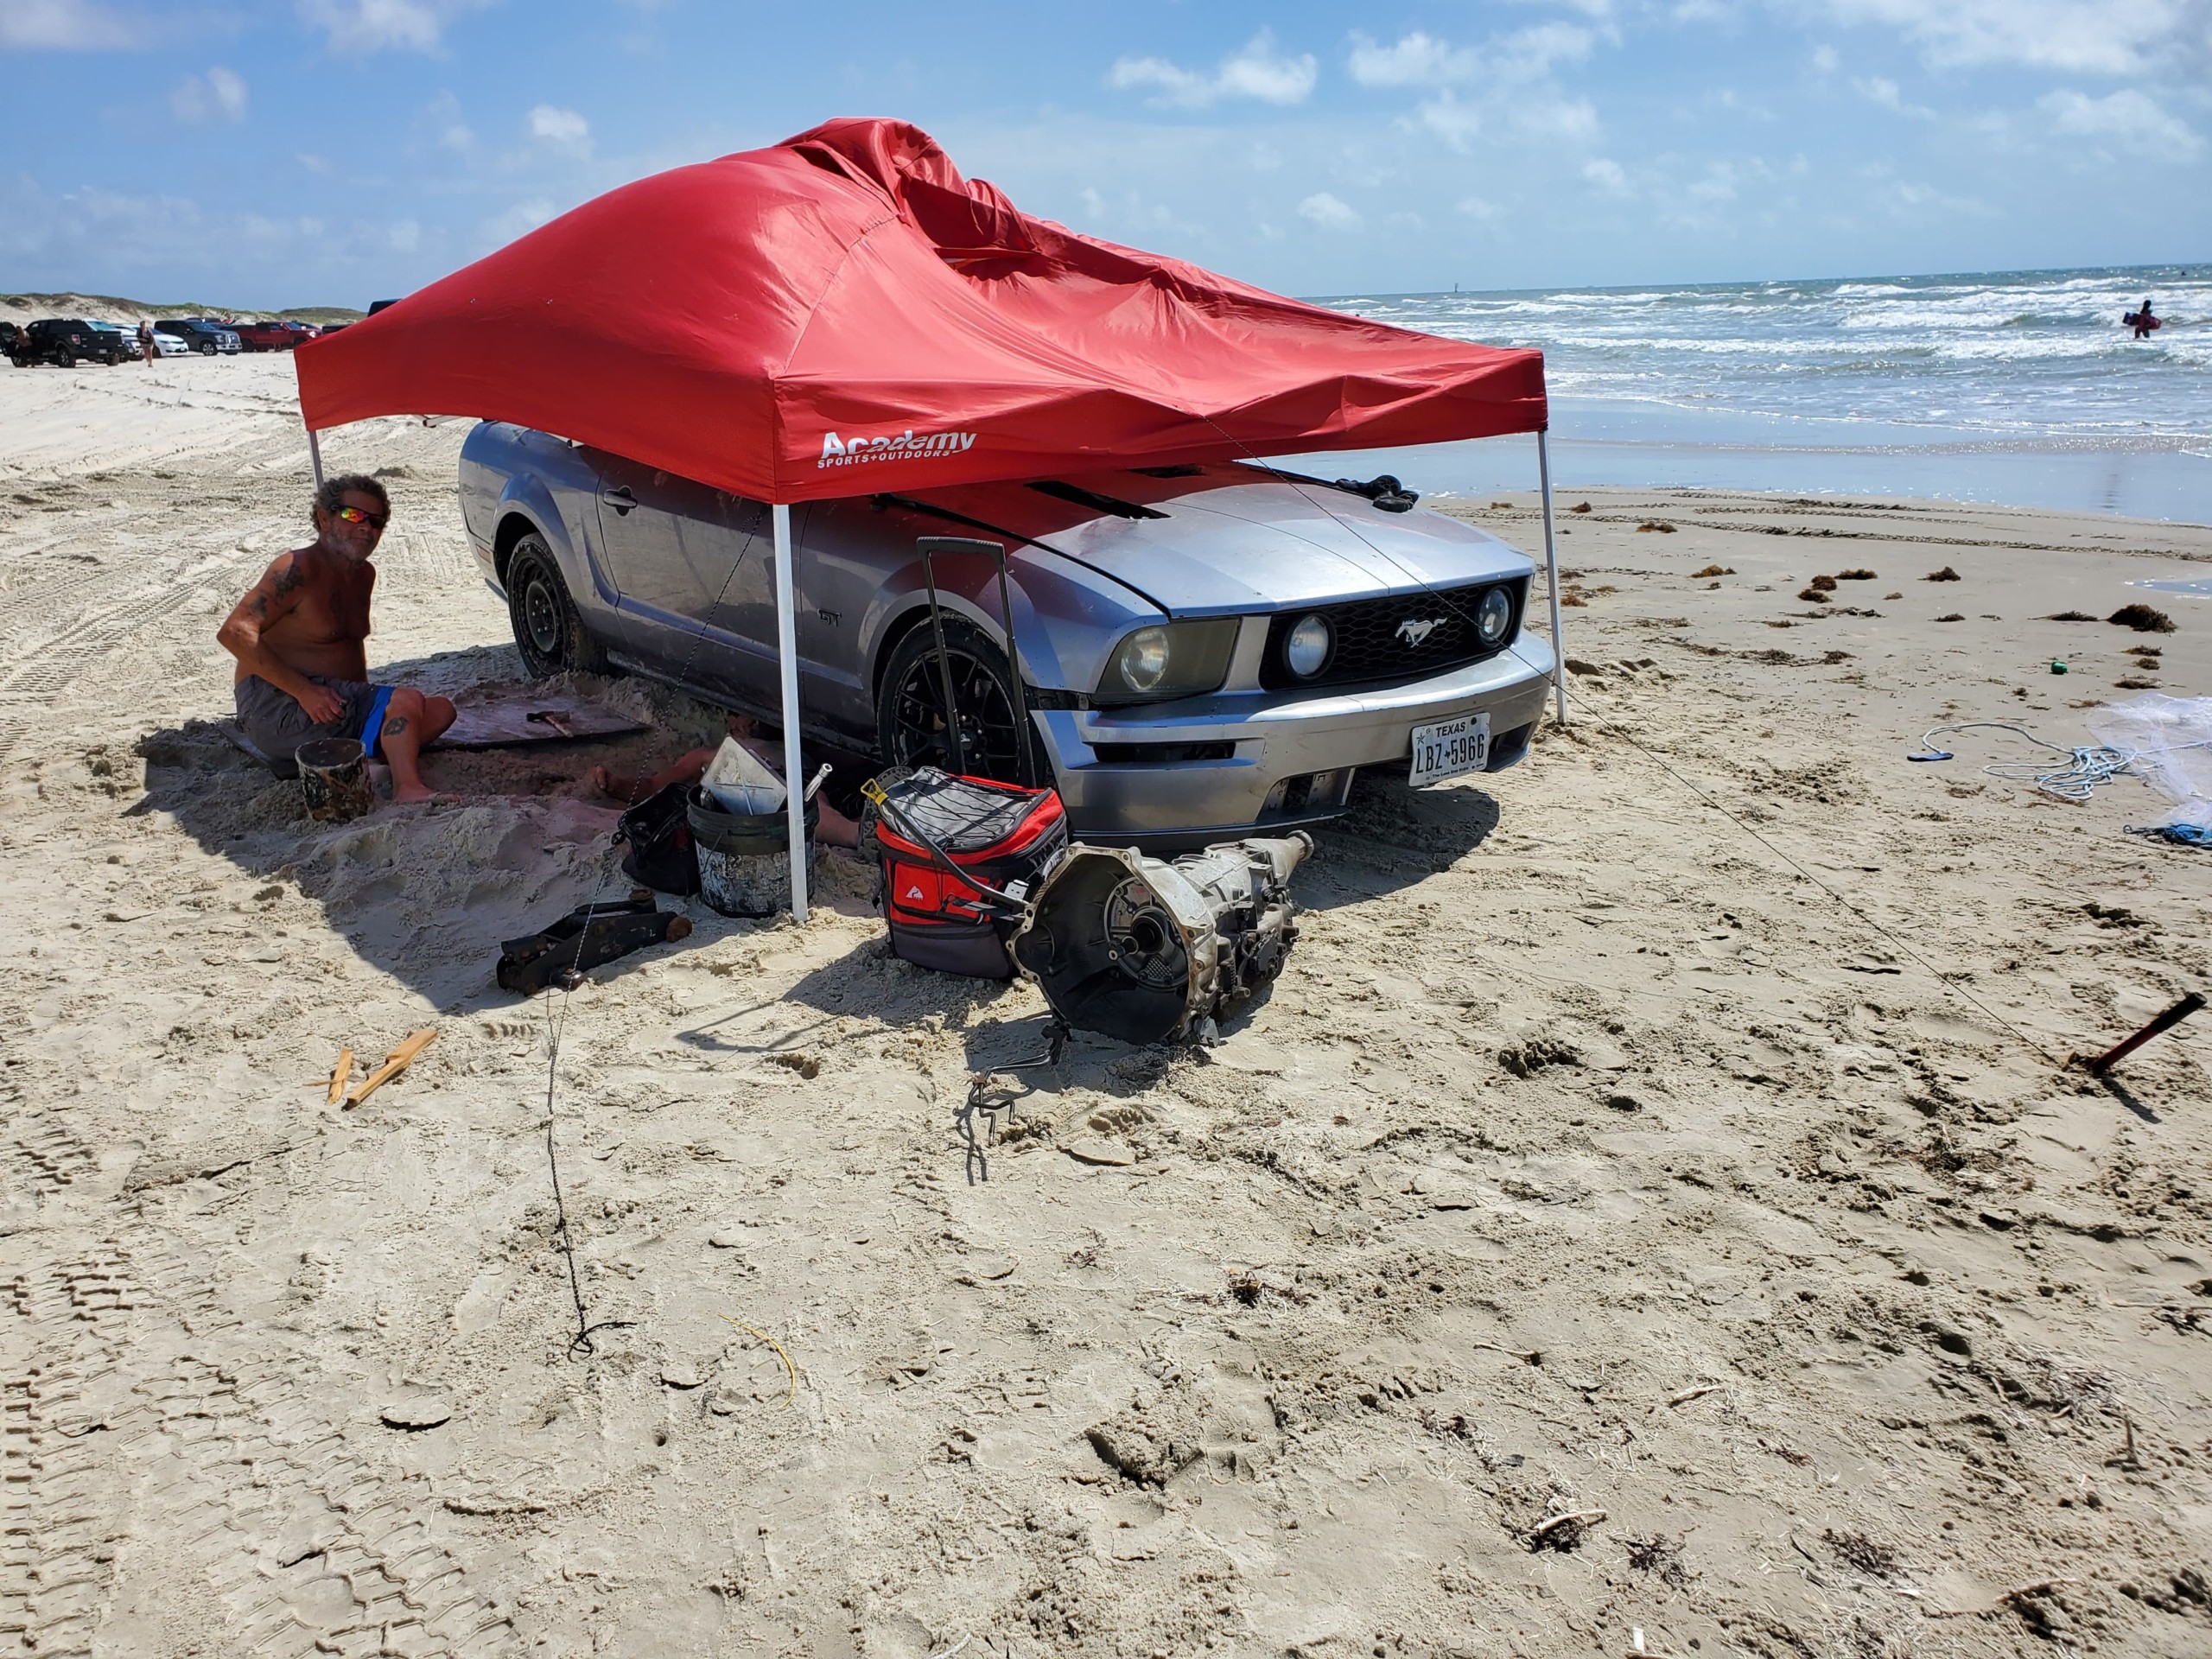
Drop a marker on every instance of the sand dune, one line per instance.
(1649, 1202)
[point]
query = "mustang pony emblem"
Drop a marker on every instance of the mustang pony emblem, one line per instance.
(1413, 633)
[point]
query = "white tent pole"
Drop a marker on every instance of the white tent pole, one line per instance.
(787, 661)
(314, 456)
(1551, 575)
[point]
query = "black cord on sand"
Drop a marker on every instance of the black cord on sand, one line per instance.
(580, 1345)
(1558, 678)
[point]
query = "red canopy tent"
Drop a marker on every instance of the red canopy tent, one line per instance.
(843, 313)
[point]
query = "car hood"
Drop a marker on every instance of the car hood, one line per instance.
(1237, 540)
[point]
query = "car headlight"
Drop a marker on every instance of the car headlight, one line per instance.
(1143, 661)
(1494, 615)
(1306, 647)
(1169, 659)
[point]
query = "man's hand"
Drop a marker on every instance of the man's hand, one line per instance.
(321, 703)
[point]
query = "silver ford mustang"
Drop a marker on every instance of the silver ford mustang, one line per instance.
(1207, 651)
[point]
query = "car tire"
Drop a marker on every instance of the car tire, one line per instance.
(910, 723)
(548, 631)
(64, 359)
(207, 348)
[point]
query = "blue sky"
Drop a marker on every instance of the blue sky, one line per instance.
(297, 152)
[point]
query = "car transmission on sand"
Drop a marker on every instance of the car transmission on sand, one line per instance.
(1147, 950)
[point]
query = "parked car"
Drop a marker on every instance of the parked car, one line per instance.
(172, 345)
(65, 343)
(11, 340)
(126, 337)
(205, 337)
(278, 336)
(1209, 650)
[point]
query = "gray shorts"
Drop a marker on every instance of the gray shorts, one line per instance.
(274, 723)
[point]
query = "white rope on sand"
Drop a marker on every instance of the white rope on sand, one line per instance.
(2086, 767)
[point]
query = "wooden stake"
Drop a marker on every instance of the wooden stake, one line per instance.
(394, 1063)
(341, 1075)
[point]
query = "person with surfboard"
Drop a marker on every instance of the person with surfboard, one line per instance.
(2142, 321)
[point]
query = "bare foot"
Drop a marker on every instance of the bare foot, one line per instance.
(628, 790)
(404, 793)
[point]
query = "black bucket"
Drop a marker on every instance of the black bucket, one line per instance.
(745, 866)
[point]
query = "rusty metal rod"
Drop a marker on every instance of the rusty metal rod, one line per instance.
(2166, 1021)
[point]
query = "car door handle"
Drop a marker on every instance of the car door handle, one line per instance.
(619, 498)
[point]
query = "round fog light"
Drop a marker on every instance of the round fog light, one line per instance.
(1494, 615)
(1307, 647)
(1144, 659)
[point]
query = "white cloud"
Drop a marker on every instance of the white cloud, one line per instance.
(1421, 60)
(1507, 79)
(1570, 118)
(1606, 175)
(443, 118)
(406, 236)
(2114, 37)
(314, 163)
(1825, 60)
(374, 25)
(167, 238)
(1455, 123)
(1476, 209)
(68, 25)
(562, 129)
(1257, 71)
(2128, 119)
(1331, 214)
(218, 95)
(1880, 89)
(523, 216)
(1416, 60)
(1717, 187)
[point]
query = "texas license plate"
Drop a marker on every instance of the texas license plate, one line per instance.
(1449, 748)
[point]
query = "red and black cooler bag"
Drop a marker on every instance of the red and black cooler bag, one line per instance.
(1004, 835)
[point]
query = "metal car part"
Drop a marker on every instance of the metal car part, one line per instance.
(1147, 951)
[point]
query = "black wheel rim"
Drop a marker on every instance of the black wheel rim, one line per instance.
(541, 615)
(987, 734)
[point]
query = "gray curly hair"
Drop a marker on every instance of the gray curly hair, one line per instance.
(331, 494)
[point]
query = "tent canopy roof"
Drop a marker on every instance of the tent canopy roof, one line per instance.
(843, 313)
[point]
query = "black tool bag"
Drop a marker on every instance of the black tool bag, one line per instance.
(1003, 837)
(587, 937)
(659, 835)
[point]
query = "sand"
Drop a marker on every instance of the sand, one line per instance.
(1668, 1134)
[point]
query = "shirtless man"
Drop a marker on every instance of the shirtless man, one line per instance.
(298, 636)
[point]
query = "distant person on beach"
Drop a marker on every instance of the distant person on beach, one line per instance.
(145, 340)
(299, 637)
(2141, 320)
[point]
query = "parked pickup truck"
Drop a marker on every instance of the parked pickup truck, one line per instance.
(270, 336)
(65, 343)
(1206, 650)
(205, 337)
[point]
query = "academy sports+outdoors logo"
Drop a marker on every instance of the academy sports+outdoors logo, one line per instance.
(905, 446)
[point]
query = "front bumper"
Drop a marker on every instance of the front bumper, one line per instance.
(1291, 755)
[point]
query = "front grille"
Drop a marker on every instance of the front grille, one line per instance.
(1370, 637)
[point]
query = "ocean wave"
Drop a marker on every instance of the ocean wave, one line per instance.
(2038, 353)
